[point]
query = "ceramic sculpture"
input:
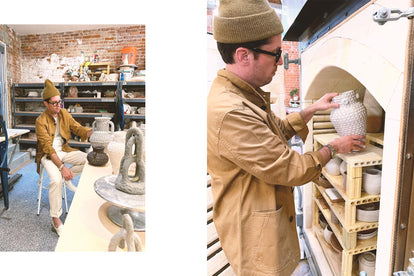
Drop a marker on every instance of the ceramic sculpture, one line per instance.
(103, 130)
(332, 167)
(134, 184)
(126, 236)
(351, 116)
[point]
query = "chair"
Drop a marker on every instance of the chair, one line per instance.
(4, 169)
(41, 186)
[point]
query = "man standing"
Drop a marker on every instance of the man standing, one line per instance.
(53, 128)
(249, 159)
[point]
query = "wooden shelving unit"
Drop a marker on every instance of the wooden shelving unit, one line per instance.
(345, 211)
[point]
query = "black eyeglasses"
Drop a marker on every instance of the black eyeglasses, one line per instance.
(278, 54)
(55, 103)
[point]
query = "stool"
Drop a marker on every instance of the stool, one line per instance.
(40, 183)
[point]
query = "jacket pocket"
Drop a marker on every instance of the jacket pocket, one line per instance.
(272, 252)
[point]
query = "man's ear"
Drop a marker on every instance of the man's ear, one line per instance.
(242, 55)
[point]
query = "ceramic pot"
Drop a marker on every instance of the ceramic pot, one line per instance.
(371, 181)
(97, 157)
(351, 115)
(116, 149)
(332, 167)
(103, 130)
(368, 212)
(327, 233)
(367, 263)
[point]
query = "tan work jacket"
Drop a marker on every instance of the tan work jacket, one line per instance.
(45, 132)
(253, 170)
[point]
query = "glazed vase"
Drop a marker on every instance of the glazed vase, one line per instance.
(350, 118)
(132, 183)
(97, 157)
(103, 130)
(116, 149)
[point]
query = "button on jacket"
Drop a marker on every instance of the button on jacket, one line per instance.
(253, 170)
(45, 131)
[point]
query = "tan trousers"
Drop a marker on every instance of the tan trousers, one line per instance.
(77, 159)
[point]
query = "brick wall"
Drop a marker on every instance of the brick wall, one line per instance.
(292, 74)
(10, 39)
(51, 55)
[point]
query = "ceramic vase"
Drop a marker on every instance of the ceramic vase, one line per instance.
(332, 167)
(351, 115)
(97, 157)
(371, 181)
(116, 149)
(103, 130)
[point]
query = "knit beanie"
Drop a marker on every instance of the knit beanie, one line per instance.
(245, 20)
(50, 90)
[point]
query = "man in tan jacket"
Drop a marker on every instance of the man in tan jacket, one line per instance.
(249, 159)
(53, 129)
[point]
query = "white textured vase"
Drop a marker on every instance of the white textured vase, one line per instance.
(350, 118)
(116, 150)
(103, 129)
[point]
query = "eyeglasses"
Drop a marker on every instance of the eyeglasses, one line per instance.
(278, 54)
(55, 103)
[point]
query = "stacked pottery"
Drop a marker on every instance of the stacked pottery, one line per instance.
(116, 149)
(350, 118)
(367, 263)
(103, 130)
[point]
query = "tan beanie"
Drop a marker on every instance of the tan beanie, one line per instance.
(50, 90)
(245, 20)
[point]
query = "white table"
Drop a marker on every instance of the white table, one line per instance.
(87, 226)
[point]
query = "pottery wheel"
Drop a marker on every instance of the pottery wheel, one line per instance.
(124, 203)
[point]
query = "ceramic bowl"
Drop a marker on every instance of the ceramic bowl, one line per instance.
(327, 233)
(367, 263)
(371, 181)
(367, 234)
(368, 212)
(33, 94)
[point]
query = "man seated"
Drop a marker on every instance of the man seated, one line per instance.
(53, 128)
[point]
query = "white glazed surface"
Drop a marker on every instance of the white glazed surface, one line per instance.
(371, 181)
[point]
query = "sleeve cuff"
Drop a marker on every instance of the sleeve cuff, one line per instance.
(298, 124)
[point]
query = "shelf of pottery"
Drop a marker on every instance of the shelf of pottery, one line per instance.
(84, 100)
(346, 205)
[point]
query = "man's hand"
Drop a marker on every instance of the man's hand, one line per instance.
(324, 103)
(66, 173)
(346, 144)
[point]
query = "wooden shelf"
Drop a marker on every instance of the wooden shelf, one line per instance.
(348, 227)
(89, 99)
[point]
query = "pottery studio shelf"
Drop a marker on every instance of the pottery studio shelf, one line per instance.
(347, 229)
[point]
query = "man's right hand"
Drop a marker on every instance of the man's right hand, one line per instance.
(346, 144)
(66, 173)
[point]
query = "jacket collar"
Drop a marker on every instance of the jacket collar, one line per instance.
(256, 96)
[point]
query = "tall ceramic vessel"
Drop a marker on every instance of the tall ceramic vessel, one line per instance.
(103, 129)
(116, 149)
(351, 116)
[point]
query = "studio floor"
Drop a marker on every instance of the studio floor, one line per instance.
(20, 227)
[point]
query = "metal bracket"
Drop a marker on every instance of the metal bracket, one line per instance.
(384, 14)
(286, 61)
